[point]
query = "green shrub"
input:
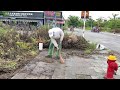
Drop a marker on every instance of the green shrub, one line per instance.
(65, 28)
(41, 32)
(2, 31)
(87, 51)
(8, 64)
(87, 28)
(106, 29)
(91, 47)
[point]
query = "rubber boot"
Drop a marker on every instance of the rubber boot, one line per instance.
(50, 50)
(58, 51)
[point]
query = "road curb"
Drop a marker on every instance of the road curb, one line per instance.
(111, 34)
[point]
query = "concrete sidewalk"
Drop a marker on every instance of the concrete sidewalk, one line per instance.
(74, 68)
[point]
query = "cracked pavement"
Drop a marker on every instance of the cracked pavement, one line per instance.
(74, 68)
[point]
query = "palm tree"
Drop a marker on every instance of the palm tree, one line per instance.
(114, 17)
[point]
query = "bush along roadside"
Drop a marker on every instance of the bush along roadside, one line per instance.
(15, 48)
(90, 49)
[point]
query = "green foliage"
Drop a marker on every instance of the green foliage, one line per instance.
(91, 47)
(65, 27)
(99, 22)
(41, 32)
(88, 28)
(89, 22)
(111, 25)
(8, 64)
(2, 31)
(3, 13)
(44, 27)
(117, 23)
(23, 45)
(88, 51)
(106, 29)
(13, 44)
(73, 21)
(33, 53)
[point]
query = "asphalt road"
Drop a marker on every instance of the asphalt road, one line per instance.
(109, 40)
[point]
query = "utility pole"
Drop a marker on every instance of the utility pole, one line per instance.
(84, 19)
(84, 16)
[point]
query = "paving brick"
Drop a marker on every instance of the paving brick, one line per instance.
(41, 64)
(28, 68)
(37, 71)
(59, 73)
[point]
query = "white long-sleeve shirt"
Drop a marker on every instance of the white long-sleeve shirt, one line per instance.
(56, 33)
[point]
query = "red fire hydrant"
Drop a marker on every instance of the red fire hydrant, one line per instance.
(112, 67)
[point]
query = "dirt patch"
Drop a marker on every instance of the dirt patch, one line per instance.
(72, 52)
(8, 73)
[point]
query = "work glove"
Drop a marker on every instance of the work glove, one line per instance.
(57, 48)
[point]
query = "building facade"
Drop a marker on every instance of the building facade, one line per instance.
(37, 18)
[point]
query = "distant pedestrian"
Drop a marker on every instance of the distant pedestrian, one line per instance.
(112, 66)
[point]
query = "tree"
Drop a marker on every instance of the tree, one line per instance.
(100, 21)
(104, 23)
(73, 21)
(114, 17)
(89, 22)
(80, 23)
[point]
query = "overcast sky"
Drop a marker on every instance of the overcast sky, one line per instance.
(94, 14)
